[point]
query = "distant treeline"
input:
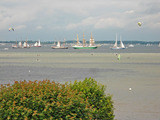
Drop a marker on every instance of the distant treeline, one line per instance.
(96, 42)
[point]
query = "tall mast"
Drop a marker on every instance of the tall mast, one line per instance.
(26, 43)
(84, 41)
(115, 44)
(77, 40)
(64, 42)
(16, 43)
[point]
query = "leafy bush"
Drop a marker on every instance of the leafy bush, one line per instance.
(94, 93)
(44, 100)
(41, 100)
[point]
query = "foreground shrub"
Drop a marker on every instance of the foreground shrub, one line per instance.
(41, 100)
(102, 105)
(49, 100)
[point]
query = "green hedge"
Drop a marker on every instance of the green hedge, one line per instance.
(49, 100)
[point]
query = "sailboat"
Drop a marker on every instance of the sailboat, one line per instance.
(15, 46)
(58, 46)
(131, 45)
(37, 44)
(116, 47)
(26, 45)
(84, 46)
(20, 45)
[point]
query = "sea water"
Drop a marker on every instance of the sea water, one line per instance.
(30, 59)
(138, 69)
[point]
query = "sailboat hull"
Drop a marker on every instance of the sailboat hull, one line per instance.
(14, 47)
(81, 47)
(59, 47)
(117, 48)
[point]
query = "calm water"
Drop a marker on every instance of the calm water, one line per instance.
(13, 70)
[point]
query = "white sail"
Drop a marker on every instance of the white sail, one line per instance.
(24, 44)
(115, 44)
(121, 43)
(91, 43)
(20, 44)
(36, 44)
(58, 44)
(39, 43)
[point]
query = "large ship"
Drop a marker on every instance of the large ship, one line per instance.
(84, 46)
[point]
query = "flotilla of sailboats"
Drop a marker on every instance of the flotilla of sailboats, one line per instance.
(78, 45)
(20, 45)
(25, 44)
(84, 45)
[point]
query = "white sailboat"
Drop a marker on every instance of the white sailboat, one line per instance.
(58, 46)
(26, 45)
(14, 46)
(37, 44)
(20, 45)
(121, 44)
(116, 47)
(131, 45)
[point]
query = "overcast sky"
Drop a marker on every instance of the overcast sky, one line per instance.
(59, 19)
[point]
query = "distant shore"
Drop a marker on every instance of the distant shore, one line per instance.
(96, 42)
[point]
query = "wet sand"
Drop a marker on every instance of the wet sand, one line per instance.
(138, 71)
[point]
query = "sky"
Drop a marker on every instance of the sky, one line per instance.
(50, 20)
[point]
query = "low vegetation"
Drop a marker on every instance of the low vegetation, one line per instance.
(46, 100)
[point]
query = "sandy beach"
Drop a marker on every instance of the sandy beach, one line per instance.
(134, 80)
